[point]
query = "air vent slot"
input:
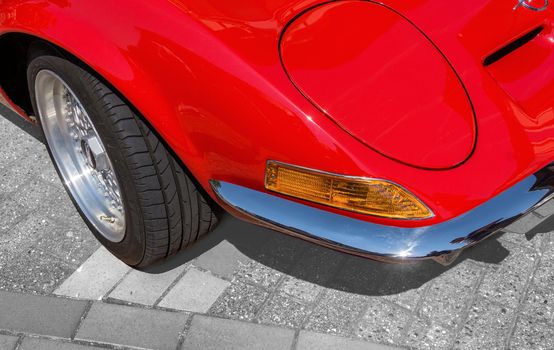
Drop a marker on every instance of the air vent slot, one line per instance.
(512, 46)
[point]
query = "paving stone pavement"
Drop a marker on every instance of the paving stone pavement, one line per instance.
(246, 287)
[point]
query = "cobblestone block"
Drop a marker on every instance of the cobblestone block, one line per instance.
(317, 265)
(336, 313)
(131, 326)
(546, 209)
(302, 290)
(40, 315)
(532, 334)
(521, 240)
(35, 194)
(7, 342)
(539, 303)
(257, 273)
(382, 322)
(72, 246)
(544, 275)
(47, 344)
(450, 293)
(319, 341)
(145, 288)
(95, 278)
(36, 271)
(506, 284)
(223, 259)
(196, 292)
(487, 326)
(424, 335)
(282, 310)
(12, 213)
(207, 333)
(240, 301)
(525, 224)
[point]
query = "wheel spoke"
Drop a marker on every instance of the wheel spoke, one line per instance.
(80, 155)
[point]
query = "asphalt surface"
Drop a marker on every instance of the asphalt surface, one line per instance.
(248, 287)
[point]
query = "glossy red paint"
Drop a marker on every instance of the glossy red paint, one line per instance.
(207, 75)
(390, 88)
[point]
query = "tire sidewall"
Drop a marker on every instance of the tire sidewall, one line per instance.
(132, 248)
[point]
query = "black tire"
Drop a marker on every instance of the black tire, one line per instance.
(164, 210)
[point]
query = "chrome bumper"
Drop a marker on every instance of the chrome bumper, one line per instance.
(441, 242)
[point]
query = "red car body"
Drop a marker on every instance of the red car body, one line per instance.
(468, 87)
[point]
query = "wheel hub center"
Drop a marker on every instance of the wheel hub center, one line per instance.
(88, 154)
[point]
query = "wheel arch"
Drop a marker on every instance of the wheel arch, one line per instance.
(13, 78)
(13, 69)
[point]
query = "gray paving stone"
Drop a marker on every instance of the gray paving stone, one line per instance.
(196, 292)
(402, 285)
(521, 240)
(317, 265)
(544, 275)
(358, 276)
(16, 176)
(423, 335)
(449, 294)
(383, 323)
(7, 342)
(62, 210)
(37, 271)
(145, 288)
(302, 290)
(214, 333)
(38, 254)
(18, 143)
(131, 326)
(539, 303)
(546, 209)
(17, 240)
(318, 341)
(222, 260)
(408, 298)
(12, 213)
(26, 232)
(40, 315)
(48, 173)
(256, 273)
(506, 284)
(47, 344)
(487, 326)
(240, 301)
(71, 245)
(336, 313)
(35, 194)
(95, 278)
(282, 310)
(281, 252)
(533, 334)
(7, 285)
(525, 224)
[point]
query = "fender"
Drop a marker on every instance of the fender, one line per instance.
(151, 67)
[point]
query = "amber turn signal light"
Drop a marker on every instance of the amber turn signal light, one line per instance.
(362, 195)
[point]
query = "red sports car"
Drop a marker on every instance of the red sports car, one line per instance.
(397, 130)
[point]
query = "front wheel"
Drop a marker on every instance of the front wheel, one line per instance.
(133, 194)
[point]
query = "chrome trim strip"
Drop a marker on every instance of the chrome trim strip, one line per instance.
(441, 242)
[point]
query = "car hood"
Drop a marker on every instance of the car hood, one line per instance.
(424, 110)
